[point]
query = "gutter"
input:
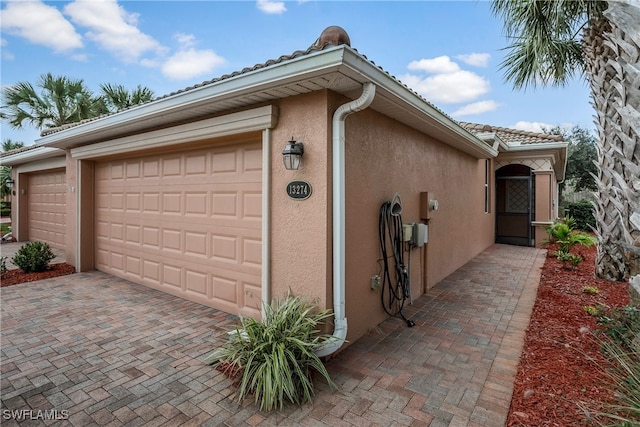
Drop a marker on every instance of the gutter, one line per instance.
(339, 276)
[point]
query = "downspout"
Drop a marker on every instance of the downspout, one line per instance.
(338, 146)
(266, 217)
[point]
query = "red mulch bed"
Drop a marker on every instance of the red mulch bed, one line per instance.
(14, 277)
(560, 368)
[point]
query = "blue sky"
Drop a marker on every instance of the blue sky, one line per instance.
(448, 51)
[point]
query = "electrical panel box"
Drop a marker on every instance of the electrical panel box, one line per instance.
(420, 235)
(407, 232)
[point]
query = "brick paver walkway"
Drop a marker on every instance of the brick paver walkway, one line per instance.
(101, 351)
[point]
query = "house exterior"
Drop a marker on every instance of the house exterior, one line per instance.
(188, 193)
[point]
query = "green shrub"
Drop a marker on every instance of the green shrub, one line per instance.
(5, 208)
(33, 256)
(275, 359)
(568, 259)
(3, 264)
(591, 290)
(564, 234)
(582, 212)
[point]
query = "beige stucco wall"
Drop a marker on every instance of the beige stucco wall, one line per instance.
(301, 229)
(384, 157)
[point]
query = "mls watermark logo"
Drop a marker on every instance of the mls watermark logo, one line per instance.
(32, 414)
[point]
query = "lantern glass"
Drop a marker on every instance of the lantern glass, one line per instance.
(292, 155)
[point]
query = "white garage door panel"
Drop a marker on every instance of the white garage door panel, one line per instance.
(47, 208)
(188, 224)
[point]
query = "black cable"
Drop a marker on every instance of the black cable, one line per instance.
(393, 296)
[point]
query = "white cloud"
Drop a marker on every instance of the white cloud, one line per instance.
(439, 65)
(451, 88)
(112, 28)
(189, 63)
(540, 127)
(475, 59)
(271, 7)
(185, 40)
(40, 24)
(476, 108)
(6, 55)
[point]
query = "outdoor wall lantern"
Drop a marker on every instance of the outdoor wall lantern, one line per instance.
(292, 154)
(9, 183)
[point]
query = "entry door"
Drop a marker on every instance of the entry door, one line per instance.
(514, 213)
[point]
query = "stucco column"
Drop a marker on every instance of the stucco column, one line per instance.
(543, 205)
(85, 208)
(19, 207)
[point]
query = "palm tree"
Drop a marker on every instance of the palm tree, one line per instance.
(5, 174)
(553, 40)
(61, 101)
(117, 97)
(8, 144)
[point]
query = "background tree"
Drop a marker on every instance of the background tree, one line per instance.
(581, 158)
(8, 144)
(60, 101)
(5, 174)
(117, 97)
(553, 40)
(5, 171)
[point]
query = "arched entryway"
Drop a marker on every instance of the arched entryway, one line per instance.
(515, 193)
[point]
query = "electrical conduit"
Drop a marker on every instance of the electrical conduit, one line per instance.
(338, 146)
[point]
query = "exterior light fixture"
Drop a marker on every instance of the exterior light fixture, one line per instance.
(292, 155)
(9, 183)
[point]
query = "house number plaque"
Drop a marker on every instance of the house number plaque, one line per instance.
(299, 190)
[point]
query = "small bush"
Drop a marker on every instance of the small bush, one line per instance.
(33, 256)
(3, 264)
(591, 310)
(582, 212)
(564, 234)
(591, 290)
(5, 208)
(275, 359)
(568, 259)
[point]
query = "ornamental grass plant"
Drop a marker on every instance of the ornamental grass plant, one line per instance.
(274, 359)
(620, 341)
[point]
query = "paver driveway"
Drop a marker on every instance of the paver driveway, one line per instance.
(100, 351)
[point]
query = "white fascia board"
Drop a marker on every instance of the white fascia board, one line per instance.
(448, 130)
(250, 82)
(257, 119)
(32, 155)
(498, 143)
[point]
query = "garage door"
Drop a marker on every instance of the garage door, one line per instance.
(185, 223)
(46, 195)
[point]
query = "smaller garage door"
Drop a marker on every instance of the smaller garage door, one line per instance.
(46, 194)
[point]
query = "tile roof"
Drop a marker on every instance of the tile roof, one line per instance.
(18, 150)
(513, 136)
(318, 45)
